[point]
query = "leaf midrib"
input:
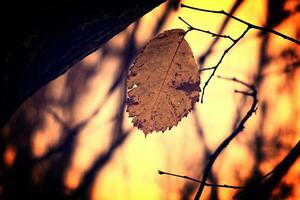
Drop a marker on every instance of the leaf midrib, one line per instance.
(164, 80)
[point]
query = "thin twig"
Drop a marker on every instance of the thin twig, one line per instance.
(190, 27)
(225, 143)
(238, 81)
(221, 29)
(220, 61)
(235, 41)
(207, 68)
(243, 92)
(263, 29)
(206, 184)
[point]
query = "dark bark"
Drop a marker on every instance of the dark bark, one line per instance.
(42, 40)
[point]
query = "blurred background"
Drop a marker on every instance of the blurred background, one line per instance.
(74, 140)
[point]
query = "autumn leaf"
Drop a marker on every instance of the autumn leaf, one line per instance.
(163, 83)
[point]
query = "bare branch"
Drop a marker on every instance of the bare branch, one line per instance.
(233, 9)
(190, 27)
(225, 143)
(263, 29)
(195, 180)
(207, 68)
(243, 92)
(238, 81)
(220, 61)
(235, 41)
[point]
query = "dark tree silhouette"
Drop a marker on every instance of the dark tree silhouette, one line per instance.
(42, 40)
(53, 165)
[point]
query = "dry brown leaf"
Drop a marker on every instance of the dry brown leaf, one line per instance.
(163, 83)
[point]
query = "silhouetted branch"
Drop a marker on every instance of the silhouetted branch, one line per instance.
(262, 188)
(103, 159)
(64, 33)
(238, 81)
(189, 188)
(243, 92)
(235, 41)
(195, 180)
(225, 143)
(71, 132)
(220, 61)
(190, 27)
(264, 29)
(233, 9)
(119, 136)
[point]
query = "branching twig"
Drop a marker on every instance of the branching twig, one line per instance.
(233, 9)
(235, 41)
(190, 27)
(225, 143)
(238, 81)
(264, 29)
(206, 184)
(245, 188)
(220, 61)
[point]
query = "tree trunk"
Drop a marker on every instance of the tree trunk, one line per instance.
(43, 39)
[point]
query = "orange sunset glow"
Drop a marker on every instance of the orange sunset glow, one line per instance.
(79, 130)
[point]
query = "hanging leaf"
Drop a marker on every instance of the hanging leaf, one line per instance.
(163, 83)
